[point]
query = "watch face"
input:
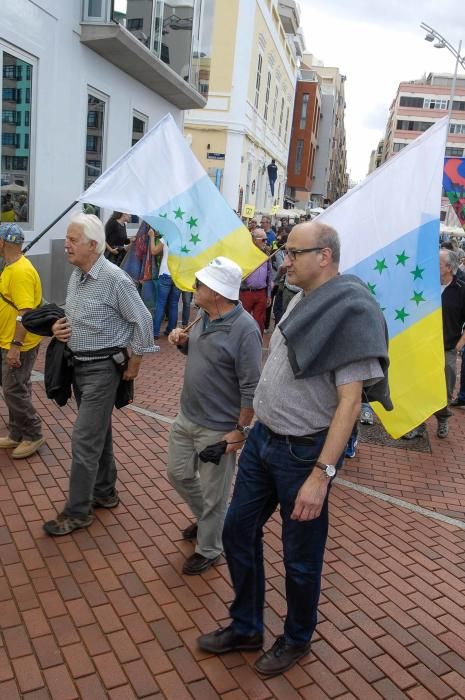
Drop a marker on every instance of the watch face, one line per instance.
(330, 470)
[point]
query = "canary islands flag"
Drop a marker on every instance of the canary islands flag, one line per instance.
(389, 229)
(160, 180)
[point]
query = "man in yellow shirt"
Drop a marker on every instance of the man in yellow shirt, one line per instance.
(20, 291)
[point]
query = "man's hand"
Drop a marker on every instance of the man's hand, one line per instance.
(61, 330)
(178, 337)
(460, 345)
(13, 357)
(132, 370)
(235, 440)
(268, 301)
(311, 497)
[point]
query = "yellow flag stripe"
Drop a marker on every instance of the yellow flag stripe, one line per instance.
(237, 246)
(416, 376)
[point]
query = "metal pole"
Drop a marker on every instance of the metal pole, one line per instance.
(55, 221)
(454, 81)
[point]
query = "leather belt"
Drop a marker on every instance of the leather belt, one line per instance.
(252, 289)
(295, 439)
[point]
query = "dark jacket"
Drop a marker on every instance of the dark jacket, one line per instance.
(453, 312)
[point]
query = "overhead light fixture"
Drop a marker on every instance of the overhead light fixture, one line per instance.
(439, 45)
(429, 37)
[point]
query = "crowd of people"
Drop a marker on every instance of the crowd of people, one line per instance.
(291, 420)
(13, 207)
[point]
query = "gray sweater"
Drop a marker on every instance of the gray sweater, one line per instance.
(222, 370)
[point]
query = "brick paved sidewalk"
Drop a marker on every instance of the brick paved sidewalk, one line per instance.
(106, 612)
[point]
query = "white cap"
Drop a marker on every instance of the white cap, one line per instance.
(223, 276)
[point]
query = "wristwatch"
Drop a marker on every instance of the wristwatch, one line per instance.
(244, 429)
(328, 470)
(17, 342)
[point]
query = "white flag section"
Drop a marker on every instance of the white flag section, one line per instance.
(389, 229)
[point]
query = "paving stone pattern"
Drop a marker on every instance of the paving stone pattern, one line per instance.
(107, 613)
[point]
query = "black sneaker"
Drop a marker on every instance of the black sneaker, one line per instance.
(227, 639)
(190, 532)
(106, 501)
(280, 658)
(197, 564)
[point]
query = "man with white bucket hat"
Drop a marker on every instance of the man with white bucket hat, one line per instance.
(224, 354)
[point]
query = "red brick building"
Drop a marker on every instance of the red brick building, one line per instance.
(304, 137)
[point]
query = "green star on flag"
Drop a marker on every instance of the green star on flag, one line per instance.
(381, 265)
(178, 213)
(401, 314)
(417, 273)
(371, 287)
(417, 297)
(192, 222)
(185, 249)
(195, 238)
(402, 258)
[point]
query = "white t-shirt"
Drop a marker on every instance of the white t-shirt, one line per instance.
(164, 261)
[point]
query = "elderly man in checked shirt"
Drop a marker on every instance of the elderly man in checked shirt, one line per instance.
(255, 293)
(103, 310)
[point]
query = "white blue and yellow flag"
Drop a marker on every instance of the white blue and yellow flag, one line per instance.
(389, 229)
(160, 180)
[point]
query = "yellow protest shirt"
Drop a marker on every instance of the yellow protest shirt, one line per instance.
(20, 283)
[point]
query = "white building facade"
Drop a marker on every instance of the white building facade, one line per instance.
(248, 117)
(82, 80)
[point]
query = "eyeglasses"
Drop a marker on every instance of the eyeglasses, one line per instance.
(292, 253)
(198, 284)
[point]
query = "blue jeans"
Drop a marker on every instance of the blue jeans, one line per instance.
(461, 394)
(168, 295)
(186, 307)
(270, 473)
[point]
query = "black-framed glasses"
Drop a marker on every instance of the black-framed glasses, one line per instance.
(198, 284)
(292, 253)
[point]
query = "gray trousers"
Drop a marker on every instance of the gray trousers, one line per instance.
(204, 486)
(93, 468)
(451, 373)
(23, 420)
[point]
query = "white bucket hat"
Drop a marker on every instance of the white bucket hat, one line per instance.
(223, 276)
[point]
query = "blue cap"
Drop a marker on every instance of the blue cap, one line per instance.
(11, 233)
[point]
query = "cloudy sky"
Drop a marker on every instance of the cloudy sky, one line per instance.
(377, 44)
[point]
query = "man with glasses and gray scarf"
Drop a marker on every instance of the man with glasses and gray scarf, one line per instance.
(331, 343)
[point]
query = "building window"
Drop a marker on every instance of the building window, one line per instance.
(135, 23)
(275, 106)
(298, 156)
(286, 127)
(457, 128)
(303, 112)
(411, 102)
(442, 216)
(258, 80)
(454, 152)
(95, 135)
(267, 95)
(406, 125)
(15, 135)
(458, 105)
(139, 127)
(435, 103)
(281, 114)
(398, 147)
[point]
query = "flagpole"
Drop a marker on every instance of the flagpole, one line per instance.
(55, 221)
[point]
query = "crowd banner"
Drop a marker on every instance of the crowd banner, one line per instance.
(454, 185)
(160, 180)
(389, 229)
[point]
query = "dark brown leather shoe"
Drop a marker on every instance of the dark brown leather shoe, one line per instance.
(190, 532)
(197, 564)
(280, 658)
(227, 639)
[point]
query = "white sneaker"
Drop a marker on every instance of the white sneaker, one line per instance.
(26, 448)
(8, 443)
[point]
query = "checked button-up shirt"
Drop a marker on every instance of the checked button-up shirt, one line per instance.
(105, 310)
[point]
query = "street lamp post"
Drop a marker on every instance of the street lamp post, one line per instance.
(442, 43)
